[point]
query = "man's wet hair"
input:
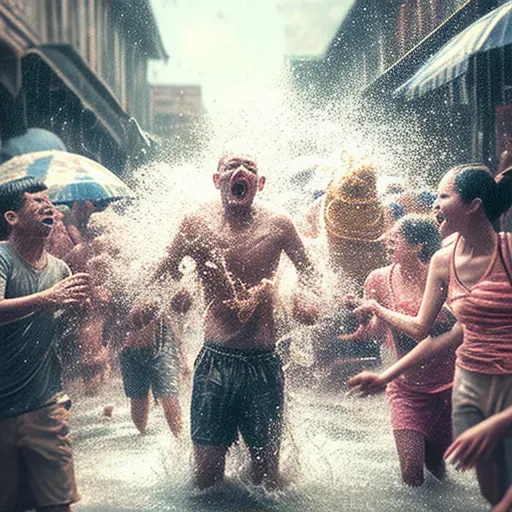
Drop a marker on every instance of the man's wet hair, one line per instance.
(420, 229)
(475, 180)
(12, 198)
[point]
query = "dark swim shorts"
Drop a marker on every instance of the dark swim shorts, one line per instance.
(237, 390)
(144, 368)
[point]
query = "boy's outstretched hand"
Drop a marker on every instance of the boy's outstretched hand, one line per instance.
(72, 290)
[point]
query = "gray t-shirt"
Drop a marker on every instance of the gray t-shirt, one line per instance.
(30, 373)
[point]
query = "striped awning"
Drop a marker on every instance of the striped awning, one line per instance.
(493, 30)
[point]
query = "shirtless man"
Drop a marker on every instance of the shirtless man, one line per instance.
(238, 382)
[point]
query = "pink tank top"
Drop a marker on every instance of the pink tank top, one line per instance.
(432, 375)
(485, 310)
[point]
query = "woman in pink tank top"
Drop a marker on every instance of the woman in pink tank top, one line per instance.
(420, 400)
(473, 274)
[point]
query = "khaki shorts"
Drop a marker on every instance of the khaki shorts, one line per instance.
(477, 396)
(36, 464)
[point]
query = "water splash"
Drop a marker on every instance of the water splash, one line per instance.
(337, 453)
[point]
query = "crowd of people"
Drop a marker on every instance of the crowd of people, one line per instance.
(64, 309)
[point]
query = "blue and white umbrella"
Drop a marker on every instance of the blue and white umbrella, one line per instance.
(69, 177)
(494, 30)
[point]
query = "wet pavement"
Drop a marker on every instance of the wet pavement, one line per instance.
(338, 454)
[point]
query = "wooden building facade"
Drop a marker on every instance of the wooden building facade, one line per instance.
(380, 45)
(79, 69)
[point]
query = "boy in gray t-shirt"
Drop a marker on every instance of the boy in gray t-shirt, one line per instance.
(35, 448)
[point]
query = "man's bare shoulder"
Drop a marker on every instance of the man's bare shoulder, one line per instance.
(273, 216)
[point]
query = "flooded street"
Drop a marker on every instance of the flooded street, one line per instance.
(338, 454)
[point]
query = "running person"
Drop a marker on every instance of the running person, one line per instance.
(420, 400)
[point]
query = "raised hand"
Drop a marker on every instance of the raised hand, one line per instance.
(366, 383)
(475, 444)
(73, 290)
(365, 311)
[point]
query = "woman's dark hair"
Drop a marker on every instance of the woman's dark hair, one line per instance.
(420, 229)
(12, 198)
(473, 181)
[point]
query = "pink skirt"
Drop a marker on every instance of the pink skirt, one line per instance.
(427, 413)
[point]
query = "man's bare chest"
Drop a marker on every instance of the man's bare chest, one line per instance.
(254, 251)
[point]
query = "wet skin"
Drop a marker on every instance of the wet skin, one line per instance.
(237, 246)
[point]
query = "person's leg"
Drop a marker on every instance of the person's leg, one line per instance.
(491, 476)
(172, 411)
(48, 457)
(473, 398)
(93, 376)
(136, 383)
(438, 433)
(488, 480)
(165, 384)
(410, 446)
(213, 418)
(265, 465)
(434, 459)
(139, 408)
(262, 419)
(209, 464)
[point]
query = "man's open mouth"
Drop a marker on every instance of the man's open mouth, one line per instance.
(239, 189)
(439, 217)
(48, 221)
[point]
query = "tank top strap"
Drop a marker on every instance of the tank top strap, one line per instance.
(452, 277)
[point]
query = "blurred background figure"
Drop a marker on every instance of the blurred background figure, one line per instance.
(354, 221)
(152, 358)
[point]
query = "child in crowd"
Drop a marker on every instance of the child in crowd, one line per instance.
(36, 289)
(153, 358)
(420, 400)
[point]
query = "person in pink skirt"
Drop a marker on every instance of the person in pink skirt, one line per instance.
(419, 400)
(473, 274)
